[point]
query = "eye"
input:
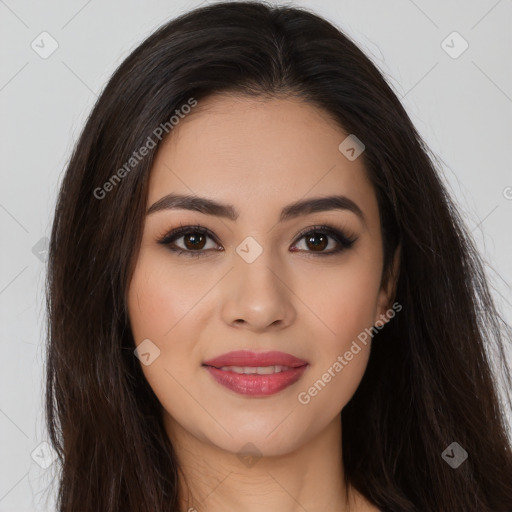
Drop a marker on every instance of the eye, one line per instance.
(316, 240)
(194, 241)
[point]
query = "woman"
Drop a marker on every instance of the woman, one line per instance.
(260, 295)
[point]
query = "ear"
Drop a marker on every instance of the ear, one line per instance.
(388, 289)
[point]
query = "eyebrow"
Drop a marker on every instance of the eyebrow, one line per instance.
(228, 211)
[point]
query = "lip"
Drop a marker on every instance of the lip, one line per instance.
(253, 359)
(255, 384)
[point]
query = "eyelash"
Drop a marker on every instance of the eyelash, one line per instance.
(344, 240)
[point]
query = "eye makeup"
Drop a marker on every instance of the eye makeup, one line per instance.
(197, 235)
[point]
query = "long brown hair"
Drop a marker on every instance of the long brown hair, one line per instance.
(429, 381)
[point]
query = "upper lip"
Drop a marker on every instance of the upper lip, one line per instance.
(255, 359)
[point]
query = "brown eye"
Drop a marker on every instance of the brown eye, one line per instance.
(317, 241)
(194, 241)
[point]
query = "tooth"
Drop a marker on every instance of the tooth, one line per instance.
(265, 370)
(260, 370)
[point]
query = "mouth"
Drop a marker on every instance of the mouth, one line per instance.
(256, 374)
(248, 359)
(255, 370)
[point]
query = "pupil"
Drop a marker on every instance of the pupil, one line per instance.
(194, 244)
(321, 244)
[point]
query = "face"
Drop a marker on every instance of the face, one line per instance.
(257, 276)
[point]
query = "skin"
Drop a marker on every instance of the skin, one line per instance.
(258, 155)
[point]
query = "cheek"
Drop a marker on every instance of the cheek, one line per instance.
(344, 299)
(167, 305)
(159, 298)
(333, 387)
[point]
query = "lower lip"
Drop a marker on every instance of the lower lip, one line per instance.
(256, 385)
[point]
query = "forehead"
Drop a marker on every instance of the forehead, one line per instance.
(258, 154)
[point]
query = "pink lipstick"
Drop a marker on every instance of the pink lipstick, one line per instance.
(256, 374)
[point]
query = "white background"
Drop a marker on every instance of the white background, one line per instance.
(462, 107)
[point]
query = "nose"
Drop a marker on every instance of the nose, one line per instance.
(258, 296)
